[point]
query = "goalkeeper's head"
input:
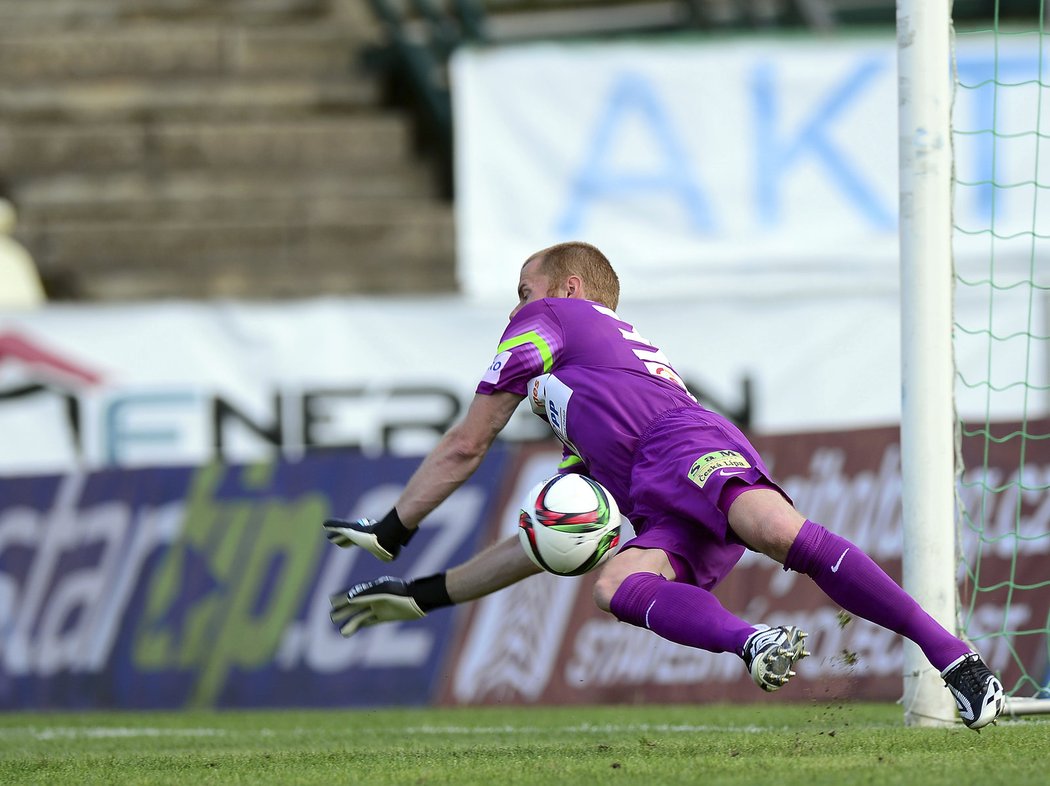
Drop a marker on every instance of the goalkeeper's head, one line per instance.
(562, 262)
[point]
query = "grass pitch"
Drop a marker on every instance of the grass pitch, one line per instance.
(652, 745)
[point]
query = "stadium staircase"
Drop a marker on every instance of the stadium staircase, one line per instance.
(212, 148)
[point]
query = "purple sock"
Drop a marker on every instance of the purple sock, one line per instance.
(681, 613)
(852, 579)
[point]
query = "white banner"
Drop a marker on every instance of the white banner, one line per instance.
(180, 384)
(731, 167)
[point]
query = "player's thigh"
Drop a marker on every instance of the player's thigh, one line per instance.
(622, 565)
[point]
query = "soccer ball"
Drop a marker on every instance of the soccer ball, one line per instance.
(569, 524)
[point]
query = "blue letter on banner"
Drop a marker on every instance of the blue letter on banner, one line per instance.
(632, 95)
(776, 155)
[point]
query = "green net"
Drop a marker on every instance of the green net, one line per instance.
(1001, 209)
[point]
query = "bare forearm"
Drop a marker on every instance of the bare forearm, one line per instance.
(455, 457)
(500, 565)
(389, 599)
(443, 471)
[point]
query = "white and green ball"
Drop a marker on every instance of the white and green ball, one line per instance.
(569, 524)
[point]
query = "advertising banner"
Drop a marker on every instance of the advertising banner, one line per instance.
(185, 384)
(188, 383)
(174, 587)
(731, 167)
(544, 641)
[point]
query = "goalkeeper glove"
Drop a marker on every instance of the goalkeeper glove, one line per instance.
(387, 599)
(382, 538)
(384, 600)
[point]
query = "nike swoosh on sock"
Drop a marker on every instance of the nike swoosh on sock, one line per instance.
(835, 567)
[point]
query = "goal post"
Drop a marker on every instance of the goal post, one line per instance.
(927, 366)
(974, 112)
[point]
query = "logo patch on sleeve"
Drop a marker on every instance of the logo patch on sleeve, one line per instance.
(538, 395)
(709, 463)
(492, 372)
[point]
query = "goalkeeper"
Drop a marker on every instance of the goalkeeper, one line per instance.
(695, 490)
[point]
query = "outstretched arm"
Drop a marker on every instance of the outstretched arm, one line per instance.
(454, 459)
(390, 599)
(445, 469)
(498, 566)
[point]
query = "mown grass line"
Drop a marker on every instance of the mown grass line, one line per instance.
(801, 744)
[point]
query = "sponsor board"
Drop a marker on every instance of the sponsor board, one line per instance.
(84, 387)
(779, 177)
(208, 587)
(544, 641)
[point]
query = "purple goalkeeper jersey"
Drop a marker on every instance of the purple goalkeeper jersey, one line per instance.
(592, 378)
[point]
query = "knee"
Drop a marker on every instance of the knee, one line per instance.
(604, 589)
(627, 563)
(766, 522)
(774, 538)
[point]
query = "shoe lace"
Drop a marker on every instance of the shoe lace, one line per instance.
(970, 677)
(761, 641)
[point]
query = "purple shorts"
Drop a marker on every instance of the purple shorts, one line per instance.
(689, 467)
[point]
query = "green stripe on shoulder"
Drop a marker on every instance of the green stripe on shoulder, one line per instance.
(571, 461)
(534, 338)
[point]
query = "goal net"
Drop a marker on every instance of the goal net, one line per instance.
(1001, 242)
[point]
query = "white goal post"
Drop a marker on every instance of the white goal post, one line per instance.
(927, 367)
(930, 455)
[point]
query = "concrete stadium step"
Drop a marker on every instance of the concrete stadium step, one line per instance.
(63, 14)
(212, 148)
(360, 247)
(203, 195)
(367, 141)
(127, 99)
(240, 279)
(407, 227)
(176, 49)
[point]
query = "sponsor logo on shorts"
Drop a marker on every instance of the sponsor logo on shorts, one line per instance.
(709, 463)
